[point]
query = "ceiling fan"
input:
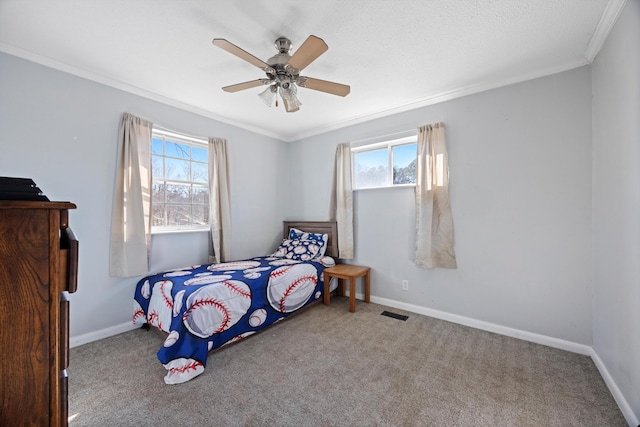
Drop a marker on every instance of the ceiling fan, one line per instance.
(283, 71)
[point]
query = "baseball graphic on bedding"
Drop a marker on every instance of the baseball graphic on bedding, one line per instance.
(291, 286)
(217, 307)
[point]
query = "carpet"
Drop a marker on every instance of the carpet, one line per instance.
(329, 367)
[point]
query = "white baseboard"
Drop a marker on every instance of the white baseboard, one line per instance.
(586, 350)
(101, 334)
(454, 318)
(624, 406)
(486, 326)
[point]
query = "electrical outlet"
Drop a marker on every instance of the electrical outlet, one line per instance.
(405, 285)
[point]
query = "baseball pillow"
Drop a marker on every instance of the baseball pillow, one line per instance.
(318, 238)
(300, 250)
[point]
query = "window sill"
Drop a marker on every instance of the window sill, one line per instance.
(181, 231)
(386, 188)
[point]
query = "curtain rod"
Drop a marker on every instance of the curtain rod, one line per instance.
(407, 132)
(179, 134)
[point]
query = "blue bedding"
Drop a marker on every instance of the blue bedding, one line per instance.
(204, 307)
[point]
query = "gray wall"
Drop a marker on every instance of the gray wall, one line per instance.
(61, 131)
(520, 161)
(616, 205)
(523, 184)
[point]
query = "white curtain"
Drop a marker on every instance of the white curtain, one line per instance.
(219, 201)
(130, 222)
(434, 222)
(344, 201)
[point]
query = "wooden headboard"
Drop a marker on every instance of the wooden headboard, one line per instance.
(328, 227)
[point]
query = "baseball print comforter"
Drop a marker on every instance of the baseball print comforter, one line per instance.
(204, 307)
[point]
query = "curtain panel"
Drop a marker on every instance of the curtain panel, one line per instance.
(219, 201)
(434, 221)
(130, 220)
(344, 201)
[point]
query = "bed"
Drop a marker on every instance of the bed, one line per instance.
(201, 308)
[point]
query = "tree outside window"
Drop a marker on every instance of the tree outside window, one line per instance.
(180, 176)
(387, 164)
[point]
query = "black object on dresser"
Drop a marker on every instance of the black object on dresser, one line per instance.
(20, 189)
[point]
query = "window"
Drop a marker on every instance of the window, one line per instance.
(385, 164)
(180, 182)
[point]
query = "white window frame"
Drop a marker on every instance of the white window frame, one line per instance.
(172, 136)
(377, 146)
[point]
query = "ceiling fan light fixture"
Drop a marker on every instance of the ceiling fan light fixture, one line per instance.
(268, 95)
(292, 102)
(288, 91)
(283, 71)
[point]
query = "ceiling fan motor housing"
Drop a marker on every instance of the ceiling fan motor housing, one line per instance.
(283, 44)
(283, 71)
(284, 76)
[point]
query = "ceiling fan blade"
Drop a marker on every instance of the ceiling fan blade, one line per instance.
(311, 49)
(286, 107)
(240, 53)
(324, 86)
(246, 85)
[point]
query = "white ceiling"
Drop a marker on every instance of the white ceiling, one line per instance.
(396, 55)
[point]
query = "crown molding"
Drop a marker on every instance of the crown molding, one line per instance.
(126, 87)
(438, 98)
(419, 103)
(608, 19)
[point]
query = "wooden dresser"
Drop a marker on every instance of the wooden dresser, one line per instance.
(38, 265)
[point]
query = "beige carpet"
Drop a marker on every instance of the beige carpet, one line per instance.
(329, 367)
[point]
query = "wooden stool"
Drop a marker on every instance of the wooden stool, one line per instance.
(347, 272)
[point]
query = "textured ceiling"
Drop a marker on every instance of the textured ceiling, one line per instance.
(395, 55)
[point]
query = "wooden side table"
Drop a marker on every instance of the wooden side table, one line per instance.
(347, 272)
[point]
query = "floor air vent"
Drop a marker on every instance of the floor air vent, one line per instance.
(394, 315)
